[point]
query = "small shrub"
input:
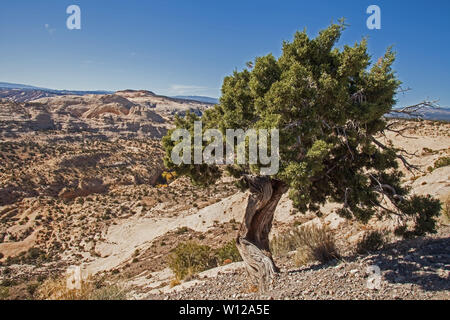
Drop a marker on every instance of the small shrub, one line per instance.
(372, 241)
(318, 244)
(41, 278)
(35, 253)
(442, 162)
(8, 283)
(182, 230)
(4, 293)
(228, 252)
(190, 258)
(32, 287)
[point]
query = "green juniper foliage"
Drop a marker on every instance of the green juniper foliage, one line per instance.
(329, 104)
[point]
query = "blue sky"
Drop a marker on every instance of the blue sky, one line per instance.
(187, 47)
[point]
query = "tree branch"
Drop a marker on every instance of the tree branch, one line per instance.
(408, 166)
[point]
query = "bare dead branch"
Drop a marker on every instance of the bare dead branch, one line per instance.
(405, 162)
(414, 111)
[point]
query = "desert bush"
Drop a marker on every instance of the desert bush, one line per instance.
(228, 252)
(311, 243)
(8, 283)
(371, 241)
(4, 293)
(442, 162)
(32, 287)
(182, 230)
(190, 258)
(32, 256)
(317, 245)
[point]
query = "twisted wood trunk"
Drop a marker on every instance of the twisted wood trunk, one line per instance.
(253, 238)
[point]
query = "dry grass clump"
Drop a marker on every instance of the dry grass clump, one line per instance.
(311, 243)
(175, 282)
(56, 289)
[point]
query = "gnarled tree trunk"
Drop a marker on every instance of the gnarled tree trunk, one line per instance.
(253, 238)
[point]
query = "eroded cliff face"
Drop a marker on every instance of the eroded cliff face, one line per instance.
(125, 113)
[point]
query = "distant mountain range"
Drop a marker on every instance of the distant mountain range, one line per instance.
(23, 93)
(199, 98)
(6, 85)
(441, 114)
(438, 114)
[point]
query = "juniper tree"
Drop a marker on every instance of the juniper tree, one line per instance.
(328, 104)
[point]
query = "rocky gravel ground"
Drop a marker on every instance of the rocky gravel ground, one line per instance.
(414, 269)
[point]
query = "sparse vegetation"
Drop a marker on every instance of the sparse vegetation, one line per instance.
(190, 258)
(32, 287)
(4, 293)
(32, 256)
(311, 243)
(442, 162)
(228, 252)
(182, 230)
(371, 241)
(56, 289)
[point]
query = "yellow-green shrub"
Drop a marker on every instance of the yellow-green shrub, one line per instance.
(190, 258)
